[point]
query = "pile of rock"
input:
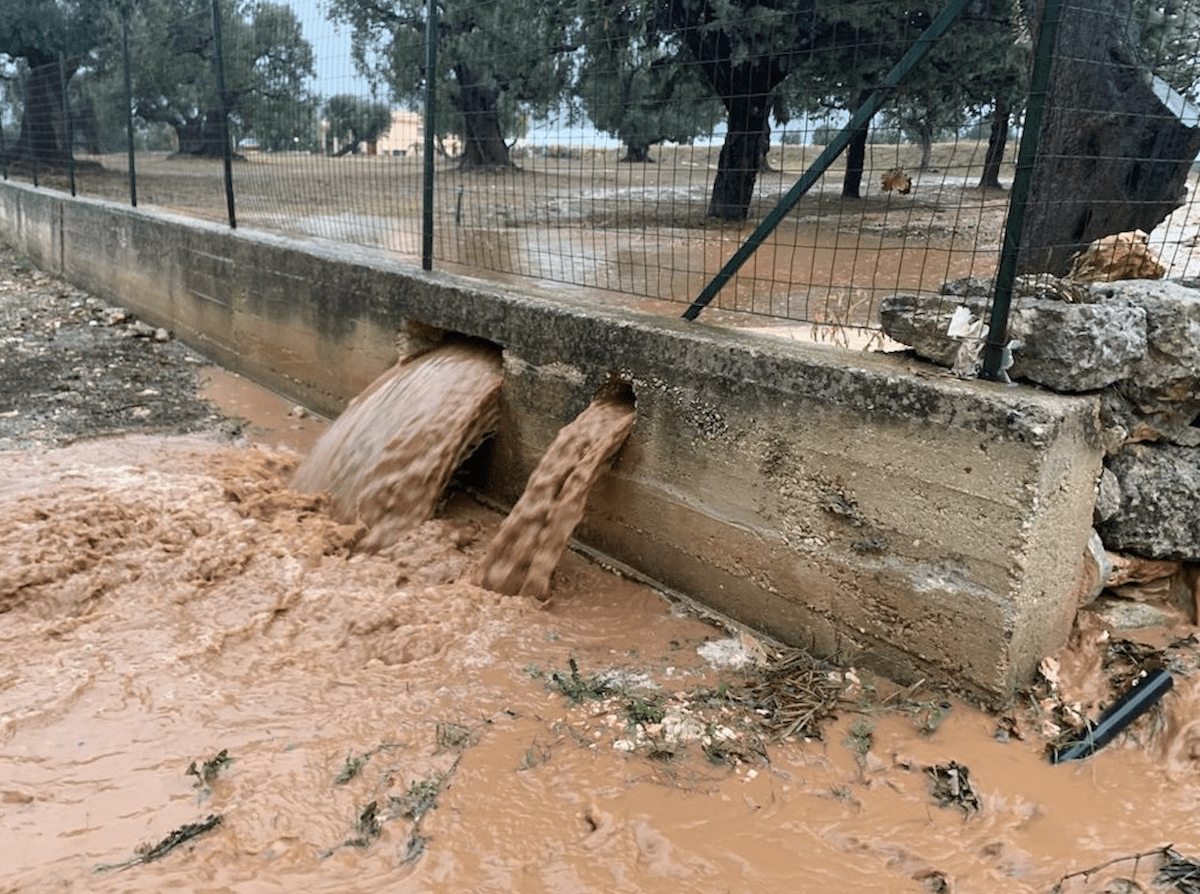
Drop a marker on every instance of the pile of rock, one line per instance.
(1136, 344)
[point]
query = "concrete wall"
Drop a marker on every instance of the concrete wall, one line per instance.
(863, 506)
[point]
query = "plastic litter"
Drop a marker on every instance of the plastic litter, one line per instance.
(1139, 698)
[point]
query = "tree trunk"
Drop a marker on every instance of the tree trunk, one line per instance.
(856, 163)
(741, 156)
(925, 136)
(201, 136)
(637, 154)
(483, 139)
(43, 138)
(764, 163)
(1112, 157)
(997, 139)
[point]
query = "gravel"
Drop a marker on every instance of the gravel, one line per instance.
(73, 366)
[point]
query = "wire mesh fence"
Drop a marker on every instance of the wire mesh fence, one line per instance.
(631, 148)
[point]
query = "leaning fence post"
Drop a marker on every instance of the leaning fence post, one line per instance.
(431, 35)
(862, 115)
(1006, 270)
(219, 64)
(128, 105)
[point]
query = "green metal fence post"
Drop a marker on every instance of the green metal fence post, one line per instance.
(1006, 270)
(431, 36)
(862, 115)
(128, 105)
(222, 100)
(68, 133)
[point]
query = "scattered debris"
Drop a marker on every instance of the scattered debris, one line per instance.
(1140, 697)
(182, 835)
(1174, 869)
(1119, 256)
(794, 694)
(207, 772)
(368, 826)
(951, 787)
(73, 367)
(1182, 872)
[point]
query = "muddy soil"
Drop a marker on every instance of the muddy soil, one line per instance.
(206, 686)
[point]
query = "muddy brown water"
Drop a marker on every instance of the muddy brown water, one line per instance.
(165, 599)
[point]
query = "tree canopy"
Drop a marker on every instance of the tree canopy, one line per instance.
(54, 38)
(634, 84)
(352, 121)
(267, 65)
(497, 61)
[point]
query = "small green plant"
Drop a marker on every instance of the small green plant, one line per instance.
(859, 738)
(576, 688)
(351, 768)
(420, 798)
(644, 711)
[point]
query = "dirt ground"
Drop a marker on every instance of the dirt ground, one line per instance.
(74, 367)
(576, 218)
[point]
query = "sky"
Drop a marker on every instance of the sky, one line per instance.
(335, 72)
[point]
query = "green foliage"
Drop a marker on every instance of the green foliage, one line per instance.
(577, 688)
(39, 31)
(352, 121)
(636, 84)
(1170, 41)
(267, 66)
(207, 771)
(499, 63)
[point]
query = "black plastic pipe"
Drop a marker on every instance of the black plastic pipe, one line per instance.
(1138, 699)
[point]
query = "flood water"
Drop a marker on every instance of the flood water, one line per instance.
(367, 722)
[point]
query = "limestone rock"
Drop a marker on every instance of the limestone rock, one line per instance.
(1164, 388)
(1119, 256)
(1066, 347)
(1160, 492)
(1125, 614)
(1108, 497)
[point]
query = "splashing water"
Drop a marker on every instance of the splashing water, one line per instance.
(532, 539)
(388, 458)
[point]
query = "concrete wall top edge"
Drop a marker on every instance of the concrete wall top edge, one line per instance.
(600, 339)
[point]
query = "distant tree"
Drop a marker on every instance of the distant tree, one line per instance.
(280, 111)
(53, 38)
(267, 65)
(499, 62)
(635, 84)
(354, 121)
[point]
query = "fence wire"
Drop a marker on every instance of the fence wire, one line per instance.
(627, 149)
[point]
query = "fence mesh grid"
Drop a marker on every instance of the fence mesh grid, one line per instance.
(627, 149)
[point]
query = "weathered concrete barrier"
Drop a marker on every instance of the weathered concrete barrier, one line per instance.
(858, 505)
